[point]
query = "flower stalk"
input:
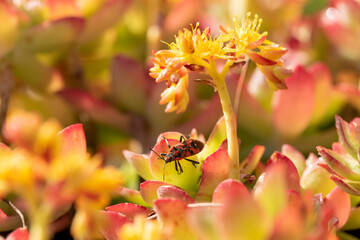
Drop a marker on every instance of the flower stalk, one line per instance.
(230, 119)
(40, 224)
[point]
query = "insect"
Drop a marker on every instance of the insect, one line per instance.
(185, 148)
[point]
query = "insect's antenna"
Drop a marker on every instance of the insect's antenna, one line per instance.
(157, 154)
(164, 172)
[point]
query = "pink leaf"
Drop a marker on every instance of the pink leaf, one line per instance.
(19, 234)
(8, 223)
(249, 164)
(229, 187)
(73, 139)
(83, 101)
(289, 224)
(347, 136)
(323, 90)
(215, 170)
(295, 156)
(345, 185)
(292, 176)
(240, 217)
(293, 108)
(128, 84)
(272, 186)
(184, 12)
(338, 164)
(174, 192)
(130, 210)
(114, 222)
(148, 190)
(339, 202)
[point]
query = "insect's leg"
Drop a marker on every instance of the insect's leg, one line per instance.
(167, 142)
(182, 138)
(192, 161)
(176, 167)
(161, 156)
(181, 170)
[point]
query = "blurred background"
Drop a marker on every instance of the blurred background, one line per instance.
(82, 61)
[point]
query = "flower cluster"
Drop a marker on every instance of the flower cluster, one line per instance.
(195, 50)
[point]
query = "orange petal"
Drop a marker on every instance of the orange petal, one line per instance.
(257, 43)
(258, 59)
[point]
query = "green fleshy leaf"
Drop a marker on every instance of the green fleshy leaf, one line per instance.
(313, 7)
(29, 69)
(270, 189)
(317, 179)
(346, 166)
(133, 196)
(354, 220)
(140, 162)
(295, 156)
(52, 35)
(215, 170)
(217, 136)
(347, 136)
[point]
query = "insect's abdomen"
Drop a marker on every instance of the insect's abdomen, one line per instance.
(179, 152)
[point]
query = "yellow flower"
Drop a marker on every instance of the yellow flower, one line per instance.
(167, 67)
(195, 46)
(176, 96)
(244, 36)
(245, 40)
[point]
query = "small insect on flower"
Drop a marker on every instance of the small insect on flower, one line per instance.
(185, 148)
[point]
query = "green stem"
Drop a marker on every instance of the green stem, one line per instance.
(230, 120)
(40, 222)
